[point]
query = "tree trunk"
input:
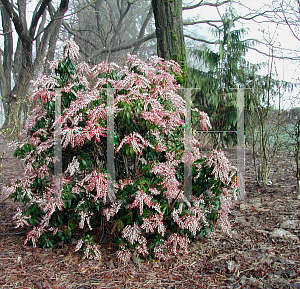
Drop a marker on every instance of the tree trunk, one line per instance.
(169, 32)
(6, 68)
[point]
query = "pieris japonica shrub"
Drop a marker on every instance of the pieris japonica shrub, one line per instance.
(148, 210)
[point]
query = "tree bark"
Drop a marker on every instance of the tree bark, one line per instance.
(169, 31)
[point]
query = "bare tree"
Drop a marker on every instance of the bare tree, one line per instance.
(264, 121)
(34, 39)
(109, 29)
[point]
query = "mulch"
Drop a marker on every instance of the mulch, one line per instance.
(252, 258)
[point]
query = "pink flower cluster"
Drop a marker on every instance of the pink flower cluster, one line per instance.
(222, 167)
(169, 248)
(137, 142)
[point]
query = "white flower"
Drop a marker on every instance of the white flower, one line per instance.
(98, 181)
(43, 172)
(156, 221)
(162, 252)
(222, 167)
(53, 64)
(136, 141)
(175, 240)
(110, 212)
(142, 198)
(124, 255)
(34, 235)
(73, 167)
(204, 120)
(44, 146)
(94, 250)
(84, 67)
(20, 220)
(84, 217)
(79, 245)
(131, 233)
(191, 223)
(71, 49)
(45, 81)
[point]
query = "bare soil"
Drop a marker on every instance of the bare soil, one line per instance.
(254, 257)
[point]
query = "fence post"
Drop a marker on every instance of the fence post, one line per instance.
(57, 146)
(240, 150)
(110, 145)
(187, 144)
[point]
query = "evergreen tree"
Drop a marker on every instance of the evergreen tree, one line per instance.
(222, 73)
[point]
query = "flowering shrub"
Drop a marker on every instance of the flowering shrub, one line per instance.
(148, 211)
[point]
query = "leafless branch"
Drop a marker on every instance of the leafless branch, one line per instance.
(201, 3)
(274, 46)
(275, 56)
(77, 35)
(289, 25)
(2, 34)
(186, 23)
(37, 16)
(200, 39)
(143, 29)
(81, 8)
(123, 47)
